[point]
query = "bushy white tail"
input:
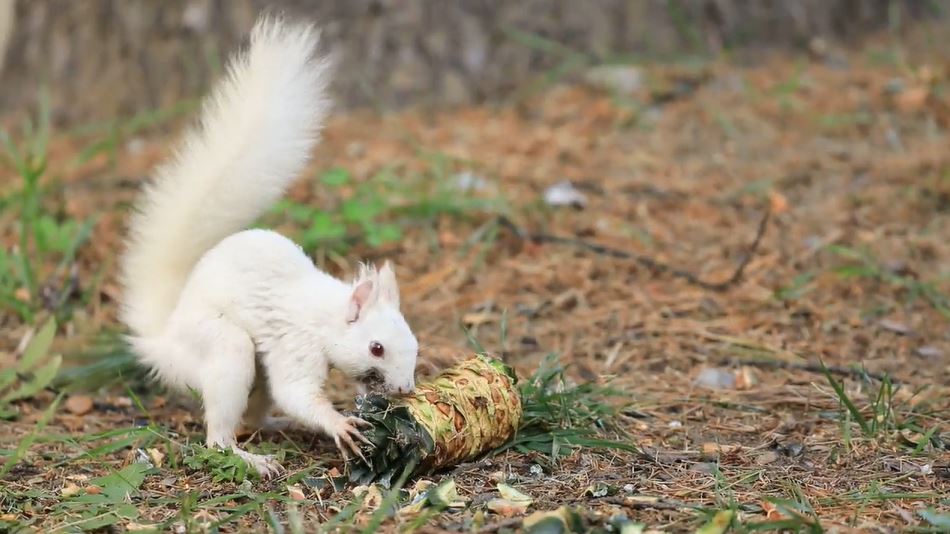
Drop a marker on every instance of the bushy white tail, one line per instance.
(256, 133)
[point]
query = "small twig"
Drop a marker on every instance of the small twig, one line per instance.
(646, 261)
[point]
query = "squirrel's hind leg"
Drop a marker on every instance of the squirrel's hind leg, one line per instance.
(227, 380)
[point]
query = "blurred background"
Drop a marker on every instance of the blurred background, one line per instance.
(103, 59)
(576, 178)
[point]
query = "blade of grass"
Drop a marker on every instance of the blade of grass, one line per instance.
(27, 441)
(845, 400)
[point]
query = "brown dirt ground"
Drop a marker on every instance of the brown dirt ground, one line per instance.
(685, 184)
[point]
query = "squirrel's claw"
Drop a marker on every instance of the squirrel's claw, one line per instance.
(344, 438)
(359, 421)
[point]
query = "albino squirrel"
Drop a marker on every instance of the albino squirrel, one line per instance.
(243, 316)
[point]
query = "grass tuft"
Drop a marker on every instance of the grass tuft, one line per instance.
(560, 417)
(44, 239)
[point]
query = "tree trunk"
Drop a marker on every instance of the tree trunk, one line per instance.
(106, 58)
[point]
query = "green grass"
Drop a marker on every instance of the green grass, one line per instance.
(787, 92)
(884, 418)
(109, 138)
(797, 288)
(108, 361)
(559, 417)
(377, 211)
(34, 372)
(862, 264)
(115, 497)
(44, 238)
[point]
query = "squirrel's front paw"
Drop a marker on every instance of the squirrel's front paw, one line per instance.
(344, 433)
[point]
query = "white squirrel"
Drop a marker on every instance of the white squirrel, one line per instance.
(243, 316)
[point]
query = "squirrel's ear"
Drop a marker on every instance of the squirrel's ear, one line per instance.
(362, 293)
(388, 288)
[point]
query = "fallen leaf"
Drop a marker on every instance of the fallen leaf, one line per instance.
(449, 239)
(420, 488)
(894, 326)
(445, 494)
(69, 490)
(73, 423)
(766, 458)
(296, 493)
(909, 437)
(563, 519)
(771, 511)
(625, 526)
(507, 508)
(79, 404)
(478, 318)
(912, 100)
(745, 378)
(426, 493)
(718, 524)
(512, 502)
(510, 493)
(372, 496)
(156, 456)
(22, 294)
(205, 517)
(778, 204)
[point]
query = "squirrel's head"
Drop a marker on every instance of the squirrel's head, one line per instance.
(378, 347)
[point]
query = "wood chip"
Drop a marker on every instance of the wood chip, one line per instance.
(79, 404)
(506, 507)
(296, 493)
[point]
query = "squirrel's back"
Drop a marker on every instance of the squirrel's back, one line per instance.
(256, 133)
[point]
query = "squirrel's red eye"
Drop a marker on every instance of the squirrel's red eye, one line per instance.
(376, 348)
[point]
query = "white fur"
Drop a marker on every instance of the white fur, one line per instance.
(226, 311)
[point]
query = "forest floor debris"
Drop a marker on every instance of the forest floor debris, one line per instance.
(830, 355)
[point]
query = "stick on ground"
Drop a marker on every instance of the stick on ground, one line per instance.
(647, 261)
